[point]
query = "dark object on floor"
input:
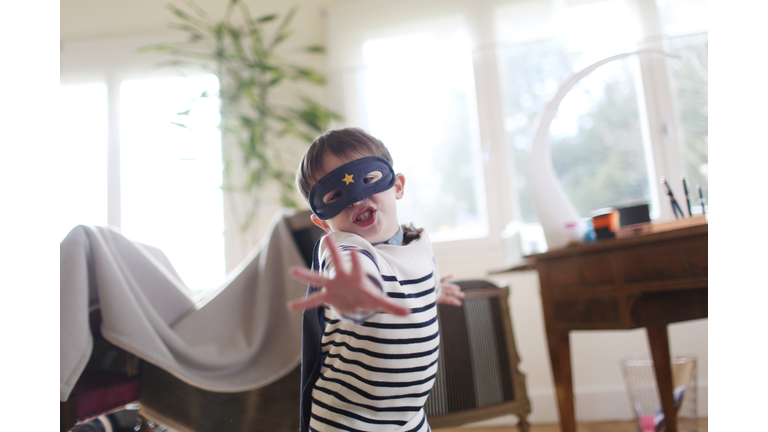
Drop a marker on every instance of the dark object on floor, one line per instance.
(126, 420)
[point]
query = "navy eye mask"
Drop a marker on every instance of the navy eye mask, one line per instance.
(348, 179)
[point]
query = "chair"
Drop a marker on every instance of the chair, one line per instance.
(115, 379)
(477, 376)
(165, 399)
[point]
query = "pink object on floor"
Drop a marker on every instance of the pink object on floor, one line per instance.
(646, 423)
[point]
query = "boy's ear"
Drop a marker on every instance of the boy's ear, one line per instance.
(399, 185)
(321, 223)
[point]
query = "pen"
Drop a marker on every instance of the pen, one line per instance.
(675, 207)
(687, 200)
(701, 200)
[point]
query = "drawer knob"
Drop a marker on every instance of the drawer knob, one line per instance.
(687, 262)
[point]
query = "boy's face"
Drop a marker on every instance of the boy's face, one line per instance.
(374, 218)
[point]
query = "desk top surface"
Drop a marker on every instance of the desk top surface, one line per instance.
(607, 245)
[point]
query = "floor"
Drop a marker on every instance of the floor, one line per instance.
(582, 427)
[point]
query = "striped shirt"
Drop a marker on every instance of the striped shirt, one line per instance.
(378, 369)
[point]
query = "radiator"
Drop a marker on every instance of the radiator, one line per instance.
(477, 375)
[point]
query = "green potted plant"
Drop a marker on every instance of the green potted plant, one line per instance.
(262, 109)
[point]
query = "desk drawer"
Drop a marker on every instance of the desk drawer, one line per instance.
(588, 312)
(588, 270)
(666, 261)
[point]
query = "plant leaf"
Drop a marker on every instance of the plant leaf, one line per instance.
(281, 37)
(281, 30)
(197, 9)
(186, 17)
(276, 80)
(311, 75)
(266, 18)
(317, 49)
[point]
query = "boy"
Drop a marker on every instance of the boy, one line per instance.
(369, 354)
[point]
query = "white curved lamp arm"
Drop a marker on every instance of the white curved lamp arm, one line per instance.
(553, 207)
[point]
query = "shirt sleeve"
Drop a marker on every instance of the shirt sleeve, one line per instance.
(328, 269)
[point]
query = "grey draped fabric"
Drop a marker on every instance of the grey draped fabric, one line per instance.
(238, 338)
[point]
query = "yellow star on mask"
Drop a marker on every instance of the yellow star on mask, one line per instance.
(348, 179)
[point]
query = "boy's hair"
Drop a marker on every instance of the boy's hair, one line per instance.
(347, 143)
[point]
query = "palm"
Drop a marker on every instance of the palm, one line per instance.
(451, 293)
(347, 291)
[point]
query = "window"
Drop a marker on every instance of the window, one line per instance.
(623, 127)
(689, 83)
(128, 166)
(171, 176)
(84, 135)
(419, 98)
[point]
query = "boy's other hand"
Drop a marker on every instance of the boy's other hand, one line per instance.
(347, 292)
(451, 293)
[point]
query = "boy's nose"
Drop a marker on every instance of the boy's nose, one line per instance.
(356, 204)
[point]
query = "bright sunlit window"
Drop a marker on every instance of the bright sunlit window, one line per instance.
(597, 142)
(420, 101)
(171, 175)
(690, 80)
(83, 189)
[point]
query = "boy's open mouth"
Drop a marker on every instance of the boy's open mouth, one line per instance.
(366, 217)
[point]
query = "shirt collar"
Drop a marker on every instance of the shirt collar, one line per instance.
(396, 240)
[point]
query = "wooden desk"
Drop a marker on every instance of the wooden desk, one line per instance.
(645, 281)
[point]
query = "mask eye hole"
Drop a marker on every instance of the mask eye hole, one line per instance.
(332, 196)
(372, 177)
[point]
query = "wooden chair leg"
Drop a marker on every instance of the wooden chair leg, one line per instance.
(522, 423)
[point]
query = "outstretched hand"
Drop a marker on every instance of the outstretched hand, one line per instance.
(347, 291)
(451, 293)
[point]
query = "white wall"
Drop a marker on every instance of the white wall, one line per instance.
(599, 387)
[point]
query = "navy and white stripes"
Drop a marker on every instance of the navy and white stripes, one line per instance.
(377, 374)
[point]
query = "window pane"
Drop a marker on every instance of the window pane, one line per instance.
(171, 176)
(689, 83)
(420, 101)
(597, 144)
(596, 140)
(83, 188)
(681, 17)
